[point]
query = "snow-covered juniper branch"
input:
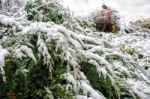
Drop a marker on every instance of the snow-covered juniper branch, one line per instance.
(65, 63)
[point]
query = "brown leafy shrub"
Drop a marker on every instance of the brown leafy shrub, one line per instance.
(145, 23)
(106, 20)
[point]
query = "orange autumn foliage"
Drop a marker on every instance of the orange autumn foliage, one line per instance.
(11, 95)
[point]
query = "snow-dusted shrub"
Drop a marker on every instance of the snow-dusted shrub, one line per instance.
(47, 60)
(31, 68)
(106, 20)
(51, 10)
(11, 5)
(140, 25)
(41, 10)
(145, 23)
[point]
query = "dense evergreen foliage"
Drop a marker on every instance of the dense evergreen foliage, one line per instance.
(47, 54)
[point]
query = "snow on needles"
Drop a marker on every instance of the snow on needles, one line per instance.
(117, 63)
(3, 54)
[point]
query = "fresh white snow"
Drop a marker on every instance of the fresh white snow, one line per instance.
(75, 45)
